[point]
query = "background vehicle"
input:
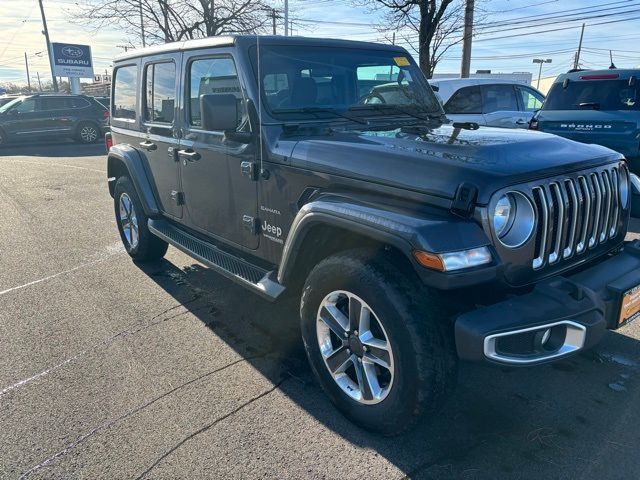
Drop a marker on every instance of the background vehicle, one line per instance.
(488, 101)
(41, 116)
(596, 106)
(411, 243)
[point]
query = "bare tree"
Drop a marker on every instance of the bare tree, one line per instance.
(435, 24)
(174, 20)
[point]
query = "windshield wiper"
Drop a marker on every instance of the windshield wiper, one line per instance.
(332, 111)
(398, 108)
(594, 105)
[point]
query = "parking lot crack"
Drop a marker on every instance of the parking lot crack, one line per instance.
(207, 428)
(115, 421)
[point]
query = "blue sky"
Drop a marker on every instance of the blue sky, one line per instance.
(20, 31)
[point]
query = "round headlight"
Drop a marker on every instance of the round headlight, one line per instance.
(503, 215)
(514, 219)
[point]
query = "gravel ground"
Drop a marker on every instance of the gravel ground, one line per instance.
(109, 370)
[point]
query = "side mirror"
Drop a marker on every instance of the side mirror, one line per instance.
(13, 112)
(635, 195)
(219, 112)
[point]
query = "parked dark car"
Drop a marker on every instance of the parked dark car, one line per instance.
(410, 242)
(596, 106)
(42, 116)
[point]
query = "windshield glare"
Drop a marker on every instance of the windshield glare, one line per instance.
(295, 79)
(9, 105)
(600, 94)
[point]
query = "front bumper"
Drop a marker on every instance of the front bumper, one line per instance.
(560, 317)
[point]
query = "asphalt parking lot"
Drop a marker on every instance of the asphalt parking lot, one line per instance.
(110, 370)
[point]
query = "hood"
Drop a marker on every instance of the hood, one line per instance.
(436, 161)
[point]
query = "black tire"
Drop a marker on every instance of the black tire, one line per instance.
(414, 322)
(148, 247)
(88, 132)
(3, 139)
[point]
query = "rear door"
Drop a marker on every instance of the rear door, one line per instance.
(220, 192)
(57, 114)
(465, 105)
(500, 106)
(160, 136)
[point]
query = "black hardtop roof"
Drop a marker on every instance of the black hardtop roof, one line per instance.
(623, 74)
(246, 41)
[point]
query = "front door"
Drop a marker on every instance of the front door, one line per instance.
(159, 133)
(500, 107)
(219, 189)
(24, 120)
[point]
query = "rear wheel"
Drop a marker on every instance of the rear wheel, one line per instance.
(376, 342)
(139, 242)
(88, 132)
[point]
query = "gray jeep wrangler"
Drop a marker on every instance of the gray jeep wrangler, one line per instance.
(412, 242)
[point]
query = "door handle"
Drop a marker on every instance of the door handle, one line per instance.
(189, 155)
(521, 122)
(148, 146)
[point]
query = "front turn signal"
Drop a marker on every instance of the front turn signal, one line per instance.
(451, 261)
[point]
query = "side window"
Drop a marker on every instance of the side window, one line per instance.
(213, 76)
(54, 103)
(499, 97)
(29, 105)
(465, 100)
(531, 100)
(160, 93)
(78, 102)
(124, 92)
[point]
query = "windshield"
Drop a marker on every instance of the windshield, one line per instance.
(594, 94)
(9, 105)
(303, 82)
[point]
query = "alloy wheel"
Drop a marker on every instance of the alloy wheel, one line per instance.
(355, 347)
(88, 134)
(129, 220)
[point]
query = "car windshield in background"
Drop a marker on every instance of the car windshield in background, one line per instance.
(9, 105)
(326, 82)
(593, 94)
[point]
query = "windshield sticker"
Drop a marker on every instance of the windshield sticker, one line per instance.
(401, 61)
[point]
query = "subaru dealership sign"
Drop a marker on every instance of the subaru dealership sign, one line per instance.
(71, 60)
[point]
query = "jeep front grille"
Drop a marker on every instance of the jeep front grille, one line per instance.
(575, 214)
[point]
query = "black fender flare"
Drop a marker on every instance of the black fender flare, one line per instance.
(129, 158)
(402, 229)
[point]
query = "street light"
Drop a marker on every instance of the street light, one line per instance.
(540, 61)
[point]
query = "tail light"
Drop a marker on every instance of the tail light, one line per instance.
(105, 115)
(108, 141)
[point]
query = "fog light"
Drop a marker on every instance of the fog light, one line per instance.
(451, 261)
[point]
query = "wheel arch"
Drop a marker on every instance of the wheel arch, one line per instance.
(123, 160)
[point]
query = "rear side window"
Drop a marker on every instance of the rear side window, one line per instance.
(531, 100)
(465, 100)
(213, 76)
(124, 92)
(496, 98)
(79, 102)
(160, 97)
(595, 94)
(55, 103)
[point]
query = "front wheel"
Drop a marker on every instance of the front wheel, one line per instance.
(379, 350)
(87, 132)
(139, 242)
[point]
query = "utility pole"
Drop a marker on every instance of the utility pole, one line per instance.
(46, 36)
(465, 67)
(540, 61)
(141, 24)
(39, 82)
(273, 20)
(576, 62)
(26, 64)
(286, 18)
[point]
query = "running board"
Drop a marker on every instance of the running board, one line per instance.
(257, 279)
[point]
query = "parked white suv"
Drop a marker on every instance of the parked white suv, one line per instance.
(488, 101)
